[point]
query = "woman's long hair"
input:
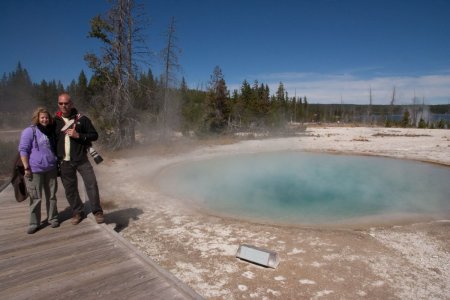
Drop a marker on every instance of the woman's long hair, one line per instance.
(41, 110)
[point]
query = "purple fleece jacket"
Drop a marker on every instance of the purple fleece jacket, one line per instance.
(41, 160)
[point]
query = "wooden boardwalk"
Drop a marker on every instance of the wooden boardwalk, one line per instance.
(86, 261)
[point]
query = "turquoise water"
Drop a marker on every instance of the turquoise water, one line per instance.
(310, 188)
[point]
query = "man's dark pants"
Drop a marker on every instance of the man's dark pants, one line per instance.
(70, 182)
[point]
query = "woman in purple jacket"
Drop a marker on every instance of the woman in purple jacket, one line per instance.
(36, 150)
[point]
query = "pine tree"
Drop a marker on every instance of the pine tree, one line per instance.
(279, 106)
(245, 107)
(46, 93)
(80, 92)
(422, 124)
(17, 92)
(406, 119)
(218, 110)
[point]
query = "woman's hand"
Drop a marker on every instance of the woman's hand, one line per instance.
(28, 173)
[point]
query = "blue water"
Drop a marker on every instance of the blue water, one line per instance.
(310, 188)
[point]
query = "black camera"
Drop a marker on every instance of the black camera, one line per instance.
(97, 158)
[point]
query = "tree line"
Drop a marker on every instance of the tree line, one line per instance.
(214, 110)
(154, 104)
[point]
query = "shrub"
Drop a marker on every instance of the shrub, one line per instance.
(422, 124)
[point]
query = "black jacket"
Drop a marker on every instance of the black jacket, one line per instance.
(18, 180)
(78, 147)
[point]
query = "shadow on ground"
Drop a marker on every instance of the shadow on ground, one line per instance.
(64, 215)
(119, 217)
(122, 217)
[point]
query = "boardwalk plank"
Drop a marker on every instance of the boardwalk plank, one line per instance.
(39, 267)
(12, 241)
(88, 261)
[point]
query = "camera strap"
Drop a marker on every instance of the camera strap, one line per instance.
(36, 145)
(71, 122)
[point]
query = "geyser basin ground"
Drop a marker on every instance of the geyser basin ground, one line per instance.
(406, 261)
(311, 188)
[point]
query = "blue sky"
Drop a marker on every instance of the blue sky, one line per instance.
(327, 50)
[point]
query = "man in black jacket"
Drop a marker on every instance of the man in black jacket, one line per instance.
(75, 134)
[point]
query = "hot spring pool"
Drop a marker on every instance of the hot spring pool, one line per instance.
(311, 188)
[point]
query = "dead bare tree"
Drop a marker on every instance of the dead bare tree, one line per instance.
(114, 71)
(170, 59)
(393, 97)
(415, 109)
(391, 105)
(369, 111)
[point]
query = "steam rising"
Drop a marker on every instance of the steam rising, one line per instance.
(311, 188)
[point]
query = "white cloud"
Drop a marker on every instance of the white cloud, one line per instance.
(320, 88)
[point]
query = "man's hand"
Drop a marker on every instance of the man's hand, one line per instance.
(73, 133)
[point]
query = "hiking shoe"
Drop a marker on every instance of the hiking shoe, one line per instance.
(32, 229)
(77, 218)
(54, 224)
(99, 218)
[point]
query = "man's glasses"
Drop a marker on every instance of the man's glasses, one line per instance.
(64, 103)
